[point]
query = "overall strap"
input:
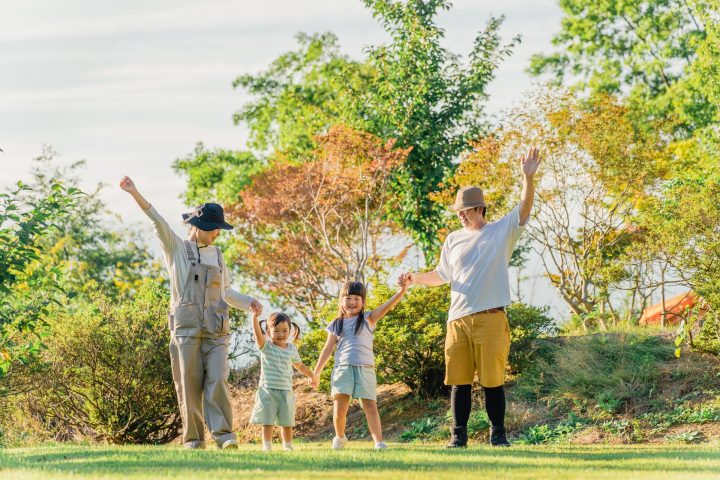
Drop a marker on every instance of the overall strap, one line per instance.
(190, 252)
(221, 260)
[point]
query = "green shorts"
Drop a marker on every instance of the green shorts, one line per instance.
(353, 380)
(274, 407)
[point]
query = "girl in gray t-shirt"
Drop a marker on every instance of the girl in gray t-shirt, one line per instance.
(351, 336)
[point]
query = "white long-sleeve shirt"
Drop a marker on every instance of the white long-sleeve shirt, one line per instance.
(178, 265)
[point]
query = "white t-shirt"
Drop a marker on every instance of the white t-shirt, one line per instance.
(475, 263)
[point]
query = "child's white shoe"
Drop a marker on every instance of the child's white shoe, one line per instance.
(339, 442)
(380, 446)
(267, 446)
(288, 448)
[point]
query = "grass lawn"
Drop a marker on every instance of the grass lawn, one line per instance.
(317, 461)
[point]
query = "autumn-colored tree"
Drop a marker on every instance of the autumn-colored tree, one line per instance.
(311, 226)
(596, 169)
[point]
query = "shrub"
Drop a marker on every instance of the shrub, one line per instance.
(527, 323)
(107, 373)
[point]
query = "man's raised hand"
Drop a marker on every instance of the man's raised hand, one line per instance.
(530, 162)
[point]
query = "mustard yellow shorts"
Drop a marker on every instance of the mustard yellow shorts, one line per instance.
(480, 343)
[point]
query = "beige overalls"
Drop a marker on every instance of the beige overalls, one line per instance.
(200, 337)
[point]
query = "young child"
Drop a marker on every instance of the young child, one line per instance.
(275, 400)
(354, 373)
(199, 321)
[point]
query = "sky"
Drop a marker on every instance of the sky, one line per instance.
(130, 86)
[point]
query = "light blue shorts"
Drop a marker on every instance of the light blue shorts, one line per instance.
(274, 407)
(353, 380)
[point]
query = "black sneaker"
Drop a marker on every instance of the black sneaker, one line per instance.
(459, 438)
(498, 438)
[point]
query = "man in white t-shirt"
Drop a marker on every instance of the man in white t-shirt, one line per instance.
(475, 260)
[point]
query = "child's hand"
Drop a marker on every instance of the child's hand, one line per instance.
(314, 381)
(403, 282)
(127, 184)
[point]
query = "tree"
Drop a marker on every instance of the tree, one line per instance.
(412, 90)
(643, 48)
(308, 227)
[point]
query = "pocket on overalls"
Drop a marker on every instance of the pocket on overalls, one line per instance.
(186, 316)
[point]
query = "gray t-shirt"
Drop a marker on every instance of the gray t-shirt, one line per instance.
(353, 349)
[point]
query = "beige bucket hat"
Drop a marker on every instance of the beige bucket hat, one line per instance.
(468, 197)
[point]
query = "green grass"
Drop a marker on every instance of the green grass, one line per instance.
(317, 461)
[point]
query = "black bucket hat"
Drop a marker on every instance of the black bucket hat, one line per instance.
(208, 216)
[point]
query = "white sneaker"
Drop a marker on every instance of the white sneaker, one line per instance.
(381, 446)
(267, 448)
(339, 442)
(288, 448)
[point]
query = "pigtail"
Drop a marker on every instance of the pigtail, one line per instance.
(296, 329)
(264, 328)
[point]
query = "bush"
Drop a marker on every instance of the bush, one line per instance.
(106, 372)
(527, 323)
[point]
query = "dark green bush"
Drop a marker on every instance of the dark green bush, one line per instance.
(527, 324)
(106, 372)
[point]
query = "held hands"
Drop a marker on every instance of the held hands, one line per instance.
(256, 308)
(127, 184)
(403, 281)
(314, 381)
(530, 162)
(406, 280)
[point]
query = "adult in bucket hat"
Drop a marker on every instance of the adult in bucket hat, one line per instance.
(475, 260)
(199, 322)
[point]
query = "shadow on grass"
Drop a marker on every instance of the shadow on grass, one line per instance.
(168, 460)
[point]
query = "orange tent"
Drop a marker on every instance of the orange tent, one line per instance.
(676, 309)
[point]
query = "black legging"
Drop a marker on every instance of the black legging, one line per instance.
(461, 402)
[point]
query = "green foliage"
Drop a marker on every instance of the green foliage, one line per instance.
(645, 48)
(527, 324)
(91, 246)
(539, 434)
(29, 283)
(411, 89)
(105, 372)
(216, 175)
(424, 96)
(420, 429)
(301, 94)
(610, 373)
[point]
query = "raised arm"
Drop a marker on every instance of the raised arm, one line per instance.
(383, 309)
(259, 334)
(169, 240)
(129, 186)
(529, 164)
